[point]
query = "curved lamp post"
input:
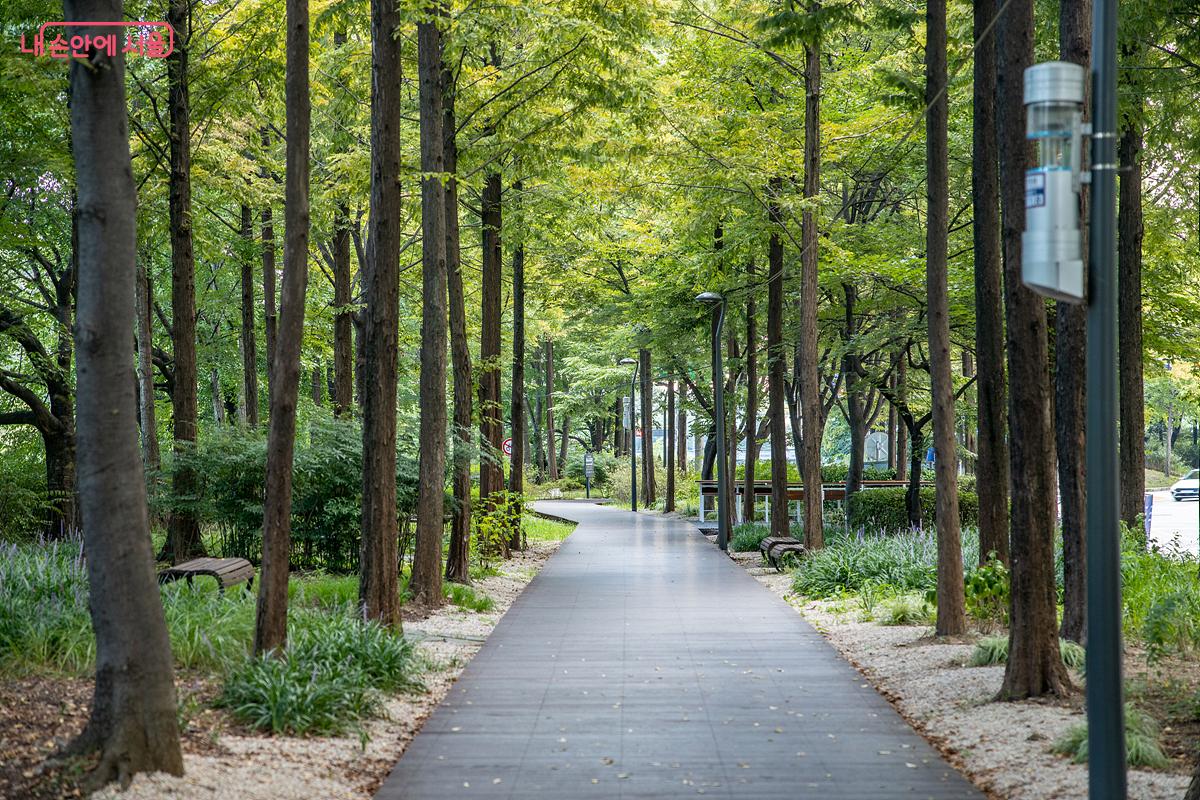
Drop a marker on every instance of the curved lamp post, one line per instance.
(718, 306)
(632, 435)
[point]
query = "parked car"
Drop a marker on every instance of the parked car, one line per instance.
(1187, 487)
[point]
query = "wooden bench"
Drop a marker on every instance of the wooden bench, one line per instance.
(227, 572)
(774, 548)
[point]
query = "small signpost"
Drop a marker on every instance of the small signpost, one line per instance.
(507, 446)
(589, 469)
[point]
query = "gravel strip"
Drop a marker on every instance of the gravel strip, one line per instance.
(1003, 747)
(259, 767)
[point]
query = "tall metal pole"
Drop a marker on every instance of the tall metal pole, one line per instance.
(1105, 706)
(722, 461)
(633, 439)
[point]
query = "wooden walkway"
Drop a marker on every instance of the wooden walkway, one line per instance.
(643, 663)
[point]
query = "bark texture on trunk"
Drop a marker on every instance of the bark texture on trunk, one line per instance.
(379, 593)
(426, 582)
(647, 412)
(551, 452)
(748, 503)
(951, 614)
(776, 368)
(811, 411)
(1070, 376)
(270, 632)
(1130, 232)
(183, 540)
(991, 467)
(145, 346)
(249, 339)
(458, 557)
(267, 222)
(343, 324)
(669, 447)
(491, 427)
(133, 721)
(1034, 665)
(516, 474)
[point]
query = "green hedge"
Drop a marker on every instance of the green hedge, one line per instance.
(830, 473)
(884, 509)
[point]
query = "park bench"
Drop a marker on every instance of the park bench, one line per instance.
(774, 548)
(227, 572)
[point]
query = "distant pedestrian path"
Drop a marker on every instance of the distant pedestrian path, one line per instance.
(643, 663)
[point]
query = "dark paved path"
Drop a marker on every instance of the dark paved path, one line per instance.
(643, 663)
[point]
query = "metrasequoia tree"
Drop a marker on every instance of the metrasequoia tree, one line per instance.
(133, 721)
(270, 632)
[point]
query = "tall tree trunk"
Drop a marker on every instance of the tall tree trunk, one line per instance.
(812, 413)
(991, 468)
(426, 583)
(776, 367)
(748, 503)
(647, 411)
(951, 614)
(183, 541)
(563, 440)
(902, 446)
(681, 431)
(458, 557)
(270, 633)
(491, 474)
(1130, 232)
(267, 222)
(892, 459)
(516, 474)
(343, 325)
(969, 439)
(1070, 359)
(145, 340)
(249, 340)
(856, 410)
(218, 400)
(1034, 665)
(669, 447)
(551, 453)
(133, 721)
(379, 592)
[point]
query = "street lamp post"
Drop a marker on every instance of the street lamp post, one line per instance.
(1105, 707)
(718, 303)
(632, 433)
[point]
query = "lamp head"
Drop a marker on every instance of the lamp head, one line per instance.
(709, 297)
(627, 362)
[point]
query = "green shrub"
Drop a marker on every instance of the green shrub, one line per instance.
(1172, 625)
(44, 617)
(747, 537)
(1073, 654)
(992, 650)
(230, 464)
(986, 592)
(322, 590)
(1142, 741)
(466, 597)
(23, 501)
(989, 651)
(905, 609)
(604, 465)
(905, 562)
(884, 509)
(328, 679)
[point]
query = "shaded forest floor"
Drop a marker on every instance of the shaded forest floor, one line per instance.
(39, 712)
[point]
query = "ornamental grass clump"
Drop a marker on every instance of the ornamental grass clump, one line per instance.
(1143, 746)
(328, 680)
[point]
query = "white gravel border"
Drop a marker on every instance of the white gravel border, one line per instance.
(1004, 748)
(342, 768)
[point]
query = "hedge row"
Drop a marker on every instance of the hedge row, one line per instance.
(885, 510)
